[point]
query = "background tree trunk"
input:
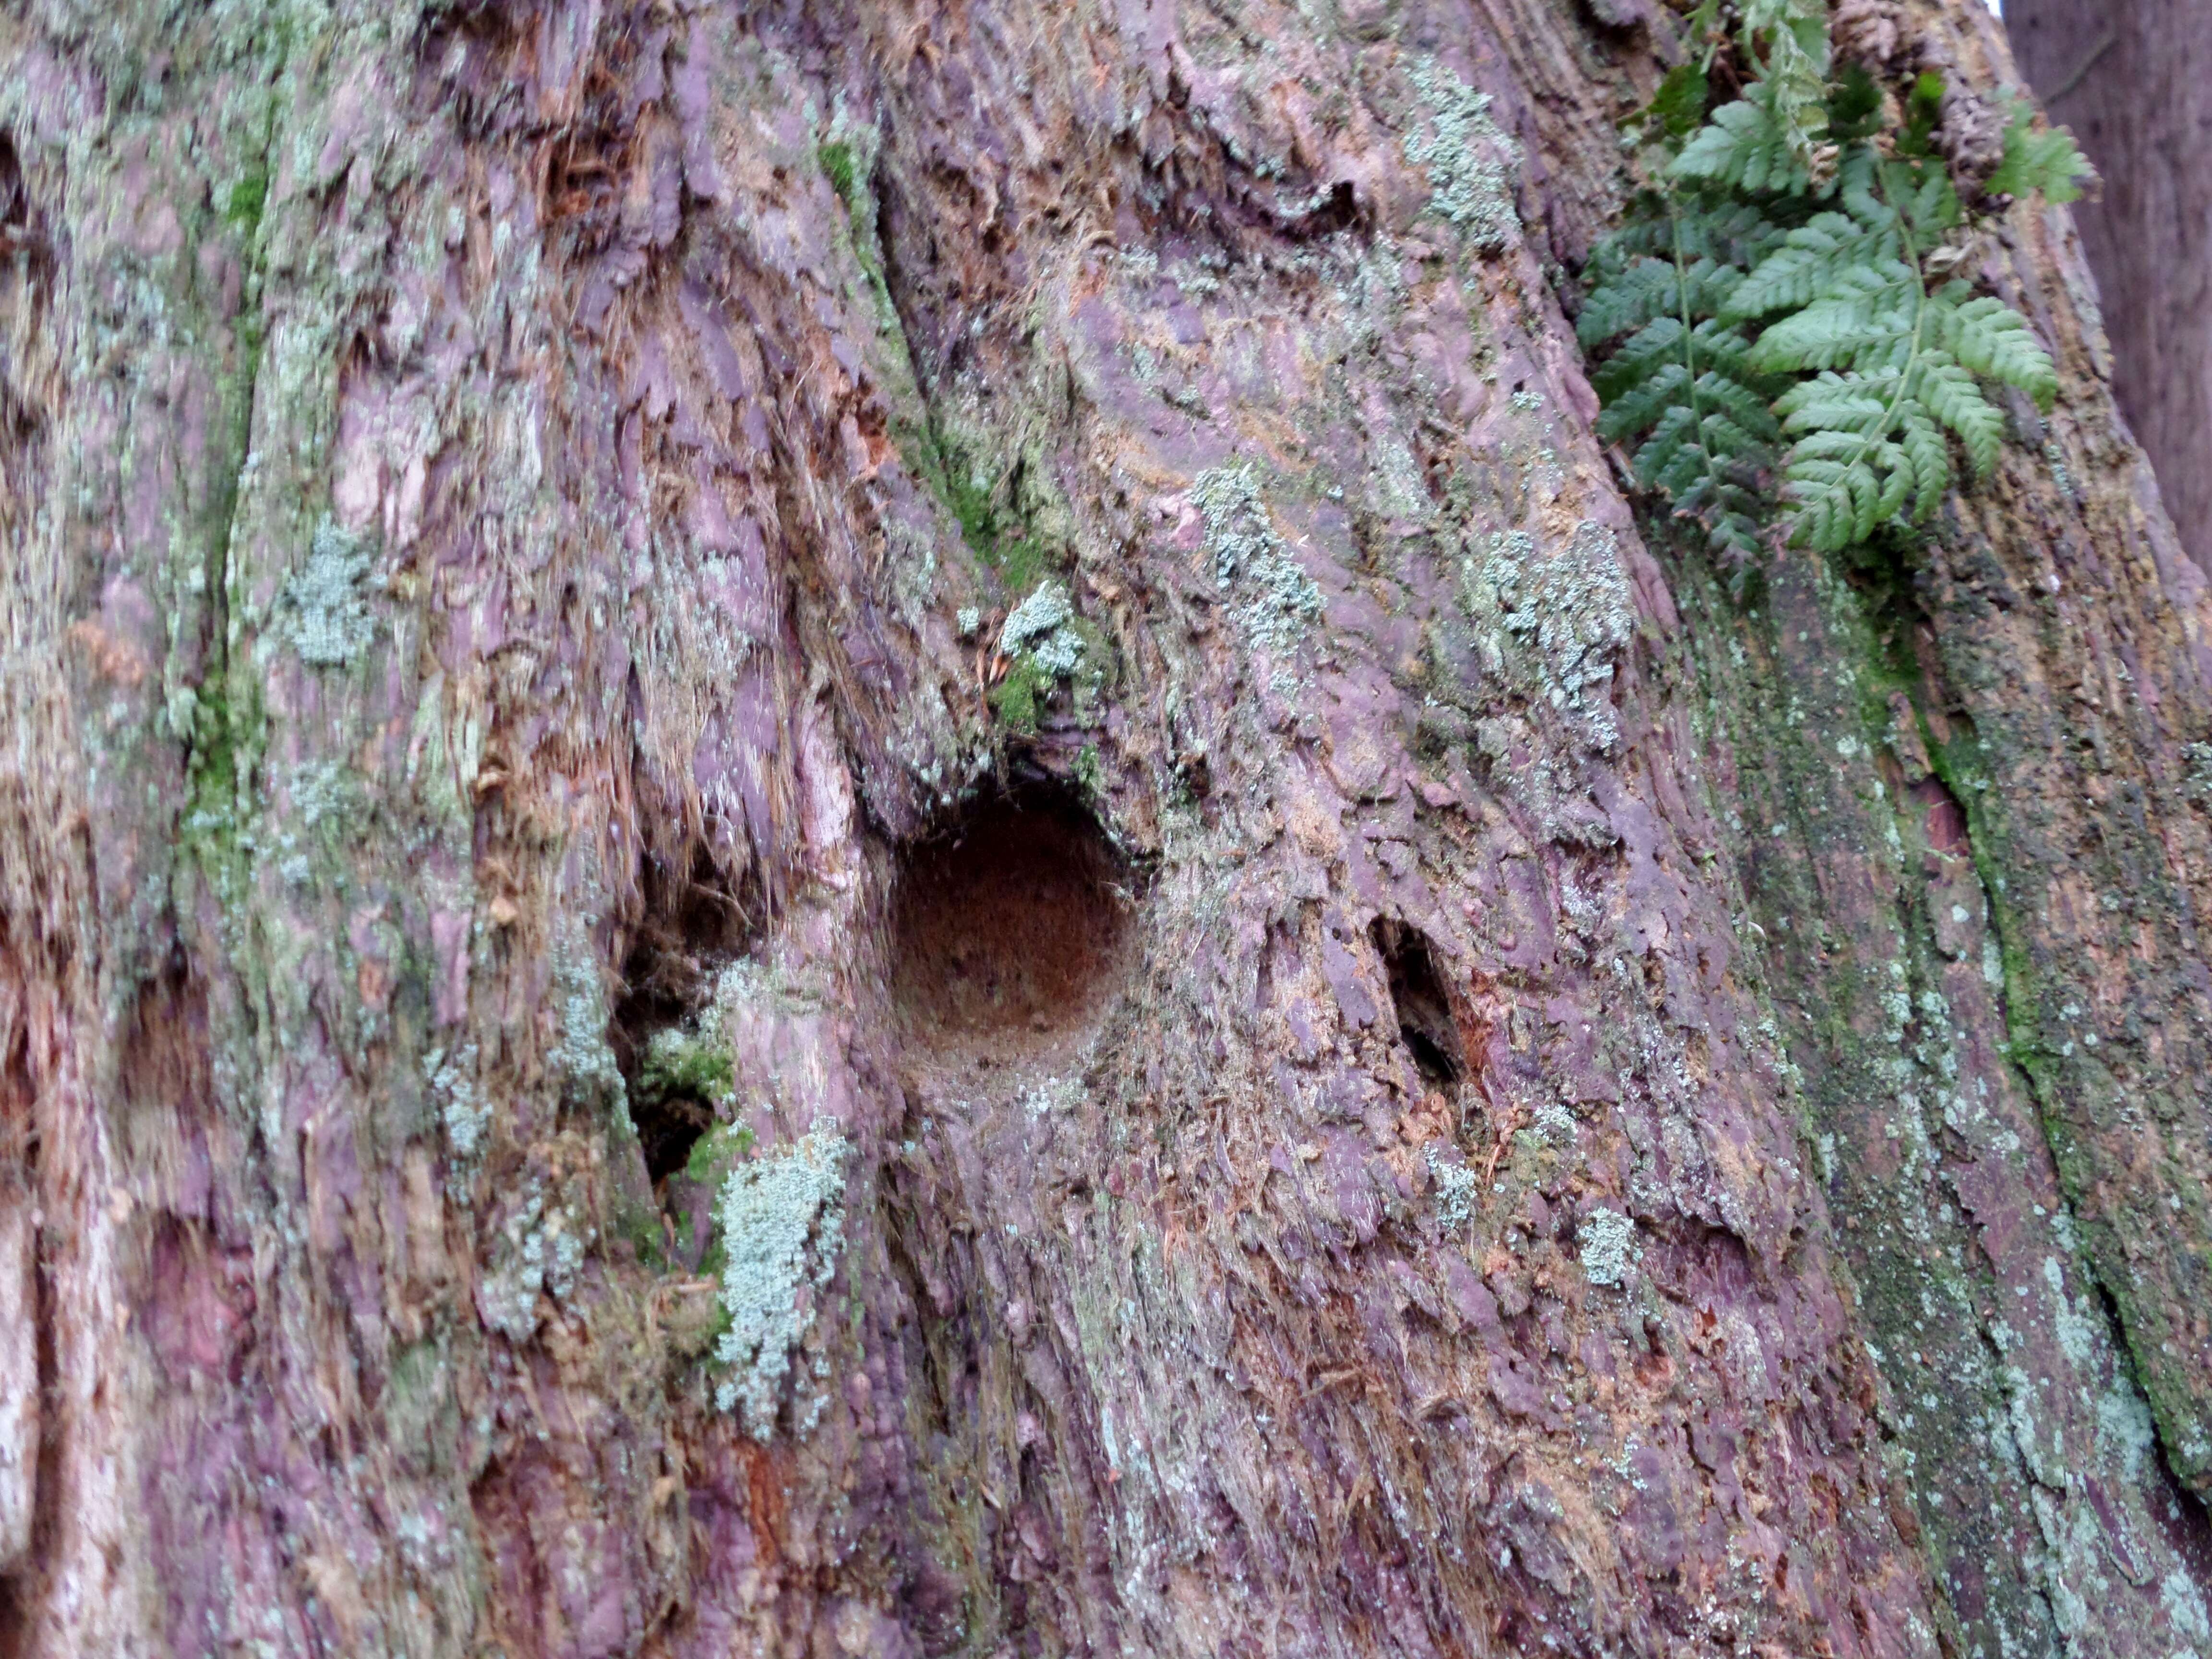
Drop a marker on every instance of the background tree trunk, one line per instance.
(1447, 1087)
(2133, 80)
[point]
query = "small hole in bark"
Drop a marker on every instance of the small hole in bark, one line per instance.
(15, 202)
(676, 1075)
(1010, 929)
(1423, 1007)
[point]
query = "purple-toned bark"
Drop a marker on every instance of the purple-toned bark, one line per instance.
(1481, 1094)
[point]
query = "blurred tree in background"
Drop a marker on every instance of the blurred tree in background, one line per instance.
(2133, 78)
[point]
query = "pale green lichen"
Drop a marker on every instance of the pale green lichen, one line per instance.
(538, 1246)
(1458, 1192)
(1608, 1245)
(1570, 612)
(1048, 645)
(2185, 1609)
(1039, 627)
(466, 1113)
(1557, 1123)
(327, 621)
(1053, 1094)
(1466, 157)
(747, 985)
(782, 1218)
(2124, 1424)
(1251, 559)
(585, 1063)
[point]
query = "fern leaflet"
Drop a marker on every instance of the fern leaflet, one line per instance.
(2047, 163)
(1767, 336)
(1747, 146)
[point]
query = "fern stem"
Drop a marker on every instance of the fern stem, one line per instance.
(1689, 330)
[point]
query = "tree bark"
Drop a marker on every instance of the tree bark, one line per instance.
(1432, 1082)
(2133, 80)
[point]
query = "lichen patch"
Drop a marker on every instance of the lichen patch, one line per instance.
(782, 1221)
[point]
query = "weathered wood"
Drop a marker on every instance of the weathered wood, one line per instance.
(1440, 1084)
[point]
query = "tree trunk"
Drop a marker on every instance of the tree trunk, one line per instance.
(588, 1065)
(2133, 80)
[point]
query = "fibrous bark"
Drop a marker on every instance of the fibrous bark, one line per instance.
(870, 830)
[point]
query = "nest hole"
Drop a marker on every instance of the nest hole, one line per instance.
(1011, 929)
(1421, 1004)
(674, 1079)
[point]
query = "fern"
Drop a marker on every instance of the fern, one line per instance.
(1812, 259)
(1770, 336)
(1681, 385)
(1789, 40)
(1989, 338)
(2048, 163)
(1747, 146)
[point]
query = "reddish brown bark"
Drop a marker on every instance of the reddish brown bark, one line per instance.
(1441, 1085)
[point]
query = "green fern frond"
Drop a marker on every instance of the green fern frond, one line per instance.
(1869, 320)
(1989, 338)
(1646, 288)
(2049, 162)
(1812, 259)
(1766, 339)
(1723, 438)
(1674, 458)
(1747, 147)
(1723, 346)
(1637, 407)
(1930, 457)
(1707, 366)
(1951, 396)
(1735, 235)
(1789, 38)
(1748, 409)
(1841, 486)
(1713, 472)
(1874, 442)
(1927, 201)
(1640, 357)
(1854, 403)
(1734, 519)
(1659, 343)
(1650, 287)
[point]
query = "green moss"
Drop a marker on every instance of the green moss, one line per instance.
(715, 1150)
(956, 470)
(216, 763)
(1015, 699)
(997, 510)
(420, 1406)
(838, 165)
(248, 197)
(683, 1066)
(1959, 765)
